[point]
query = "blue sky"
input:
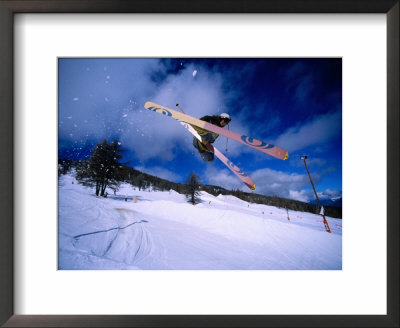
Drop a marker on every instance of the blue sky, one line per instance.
(294, 103)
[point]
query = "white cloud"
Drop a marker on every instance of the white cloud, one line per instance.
(223, 178)
(160, 172)
(319, 130)
(300, 195)
(268, 182)
(271, 182)
(330, 194)
(161, 135)
(147, 134)
(95, 106)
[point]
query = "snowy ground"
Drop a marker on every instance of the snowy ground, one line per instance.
(161, 231)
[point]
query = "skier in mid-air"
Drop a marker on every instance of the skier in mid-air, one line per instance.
(207, 130)
(208, 136)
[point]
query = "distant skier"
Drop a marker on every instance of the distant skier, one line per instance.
(208, 136)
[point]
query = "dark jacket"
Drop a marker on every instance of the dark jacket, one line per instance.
(205, 134)
(215, 119)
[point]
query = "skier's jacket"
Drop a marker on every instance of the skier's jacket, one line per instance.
(206, 135)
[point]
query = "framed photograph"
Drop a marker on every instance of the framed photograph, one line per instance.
(316, 83)
(233, 216)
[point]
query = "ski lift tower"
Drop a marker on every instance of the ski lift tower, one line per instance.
(316, 195)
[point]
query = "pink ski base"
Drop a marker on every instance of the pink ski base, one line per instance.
(237, 171)
(254, 143)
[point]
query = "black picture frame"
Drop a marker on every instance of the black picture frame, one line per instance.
(10, 7)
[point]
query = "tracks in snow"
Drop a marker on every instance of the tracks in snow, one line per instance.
(129, 244)
(108, 230)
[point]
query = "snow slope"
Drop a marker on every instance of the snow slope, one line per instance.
(161, 231)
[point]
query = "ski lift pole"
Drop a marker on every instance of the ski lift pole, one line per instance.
(316, 195)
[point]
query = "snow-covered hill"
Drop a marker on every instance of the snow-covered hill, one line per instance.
(161, 231)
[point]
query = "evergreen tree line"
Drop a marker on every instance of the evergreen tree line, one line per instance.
(103, 169)
(289, 204)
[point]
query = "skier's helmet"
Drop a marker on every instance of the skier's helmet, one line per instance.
(226, 117)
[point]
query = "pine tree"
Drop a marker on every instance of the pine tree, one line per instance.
(102, 168)
(193, 188)
(139, 181)
(64, 166)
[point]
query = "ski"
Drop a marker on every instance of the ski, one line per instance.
(248, 141)
(229, 164)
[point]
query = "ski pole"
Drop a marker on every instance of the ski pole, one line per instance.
(226, 146)
(177, 105)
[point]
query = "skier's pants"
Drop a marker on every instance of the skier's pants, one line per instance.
(207, 156)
